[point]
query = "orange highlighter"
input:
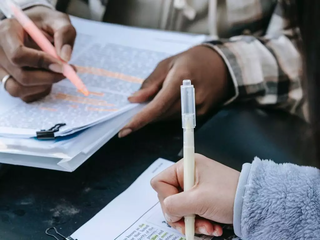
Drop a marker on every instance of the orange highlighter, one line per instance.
(10, 8)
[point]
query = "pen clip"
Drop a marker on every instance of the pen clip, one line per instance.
(56, 235)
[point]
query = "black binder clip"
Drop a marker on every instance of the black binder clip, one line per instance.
(56, 235)
(49, 134)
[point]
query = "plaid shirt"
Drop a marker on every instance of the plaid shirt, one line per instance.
(260, 50)
(265, 63)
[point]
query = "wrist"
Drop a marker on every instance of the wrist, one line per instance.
(238, 200)
(233, 192)
(227, 87)
(223, 79)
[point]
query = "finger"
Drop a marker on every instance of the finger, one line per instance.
(173, 113)
(168, 192)
(28, 77)
(202, 226)
(15, 89)
(171, 178)
(64, 36)
(182, 204)
(30, 43)
(3, 74)
(12, 43)
(152, 85)
(206, 227)
(166, 184)
(157, 107)
(37, 96)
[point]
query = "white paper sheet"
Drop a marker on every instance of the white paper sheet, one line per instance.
(133, 215)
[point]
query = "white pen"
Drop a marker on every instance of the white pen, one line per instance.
(188, 111)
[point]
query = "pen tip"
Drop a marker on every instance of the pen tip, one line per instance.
(85, 92)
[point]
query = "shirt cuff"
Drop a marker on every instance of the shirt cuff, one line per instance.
(238, 203)
(27, 4)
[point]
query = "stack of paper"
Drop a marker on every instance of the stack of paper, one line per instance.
(112, 61)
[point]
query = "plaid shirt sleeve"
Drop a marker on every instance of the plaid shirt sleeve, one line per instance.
(29, 3)
(268, 69)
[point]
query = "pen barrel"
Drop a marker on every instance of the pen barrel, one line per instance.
(71, 74)
(188, 158)
(189, 176)
(34, 32)
(188, 113)
(189, 227)
(40, 39)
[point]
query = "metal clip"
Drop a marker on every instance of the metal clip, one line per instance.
(56, 235)
(49, 134)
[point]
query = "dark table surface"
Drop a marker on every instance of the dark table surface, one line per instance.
(34, 199)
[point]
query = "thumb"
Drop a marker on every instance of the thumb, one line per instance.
(180, 205)
(64, 38)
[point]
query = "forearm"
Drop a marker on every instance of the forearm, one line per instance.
(277, 202)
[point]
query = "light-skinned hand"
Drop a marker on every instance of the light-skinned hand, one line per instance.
(211, 199)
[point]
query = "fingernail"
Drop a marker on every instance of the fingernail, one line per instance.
(66, 51)
(216, 234)
(55, 67)
(203, 231)
(168, 218)
(124, 133)
(179, 229)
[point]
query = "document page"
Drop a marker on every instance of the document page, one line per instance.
(111, 72)
(134, 215)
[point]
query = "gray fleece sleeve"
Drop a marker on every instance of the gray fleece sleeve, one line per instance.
(29, 3)
(277, 201)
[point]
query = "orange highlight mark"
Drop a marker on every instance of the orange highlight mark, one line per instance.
(48, 109)
(95, 94)
(73, 106)
(106, 73)
(101, 110)
(82, 100)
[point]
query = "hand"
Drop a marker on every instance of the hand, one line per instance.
(34, 71)
(202, 65)
(212, 197)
